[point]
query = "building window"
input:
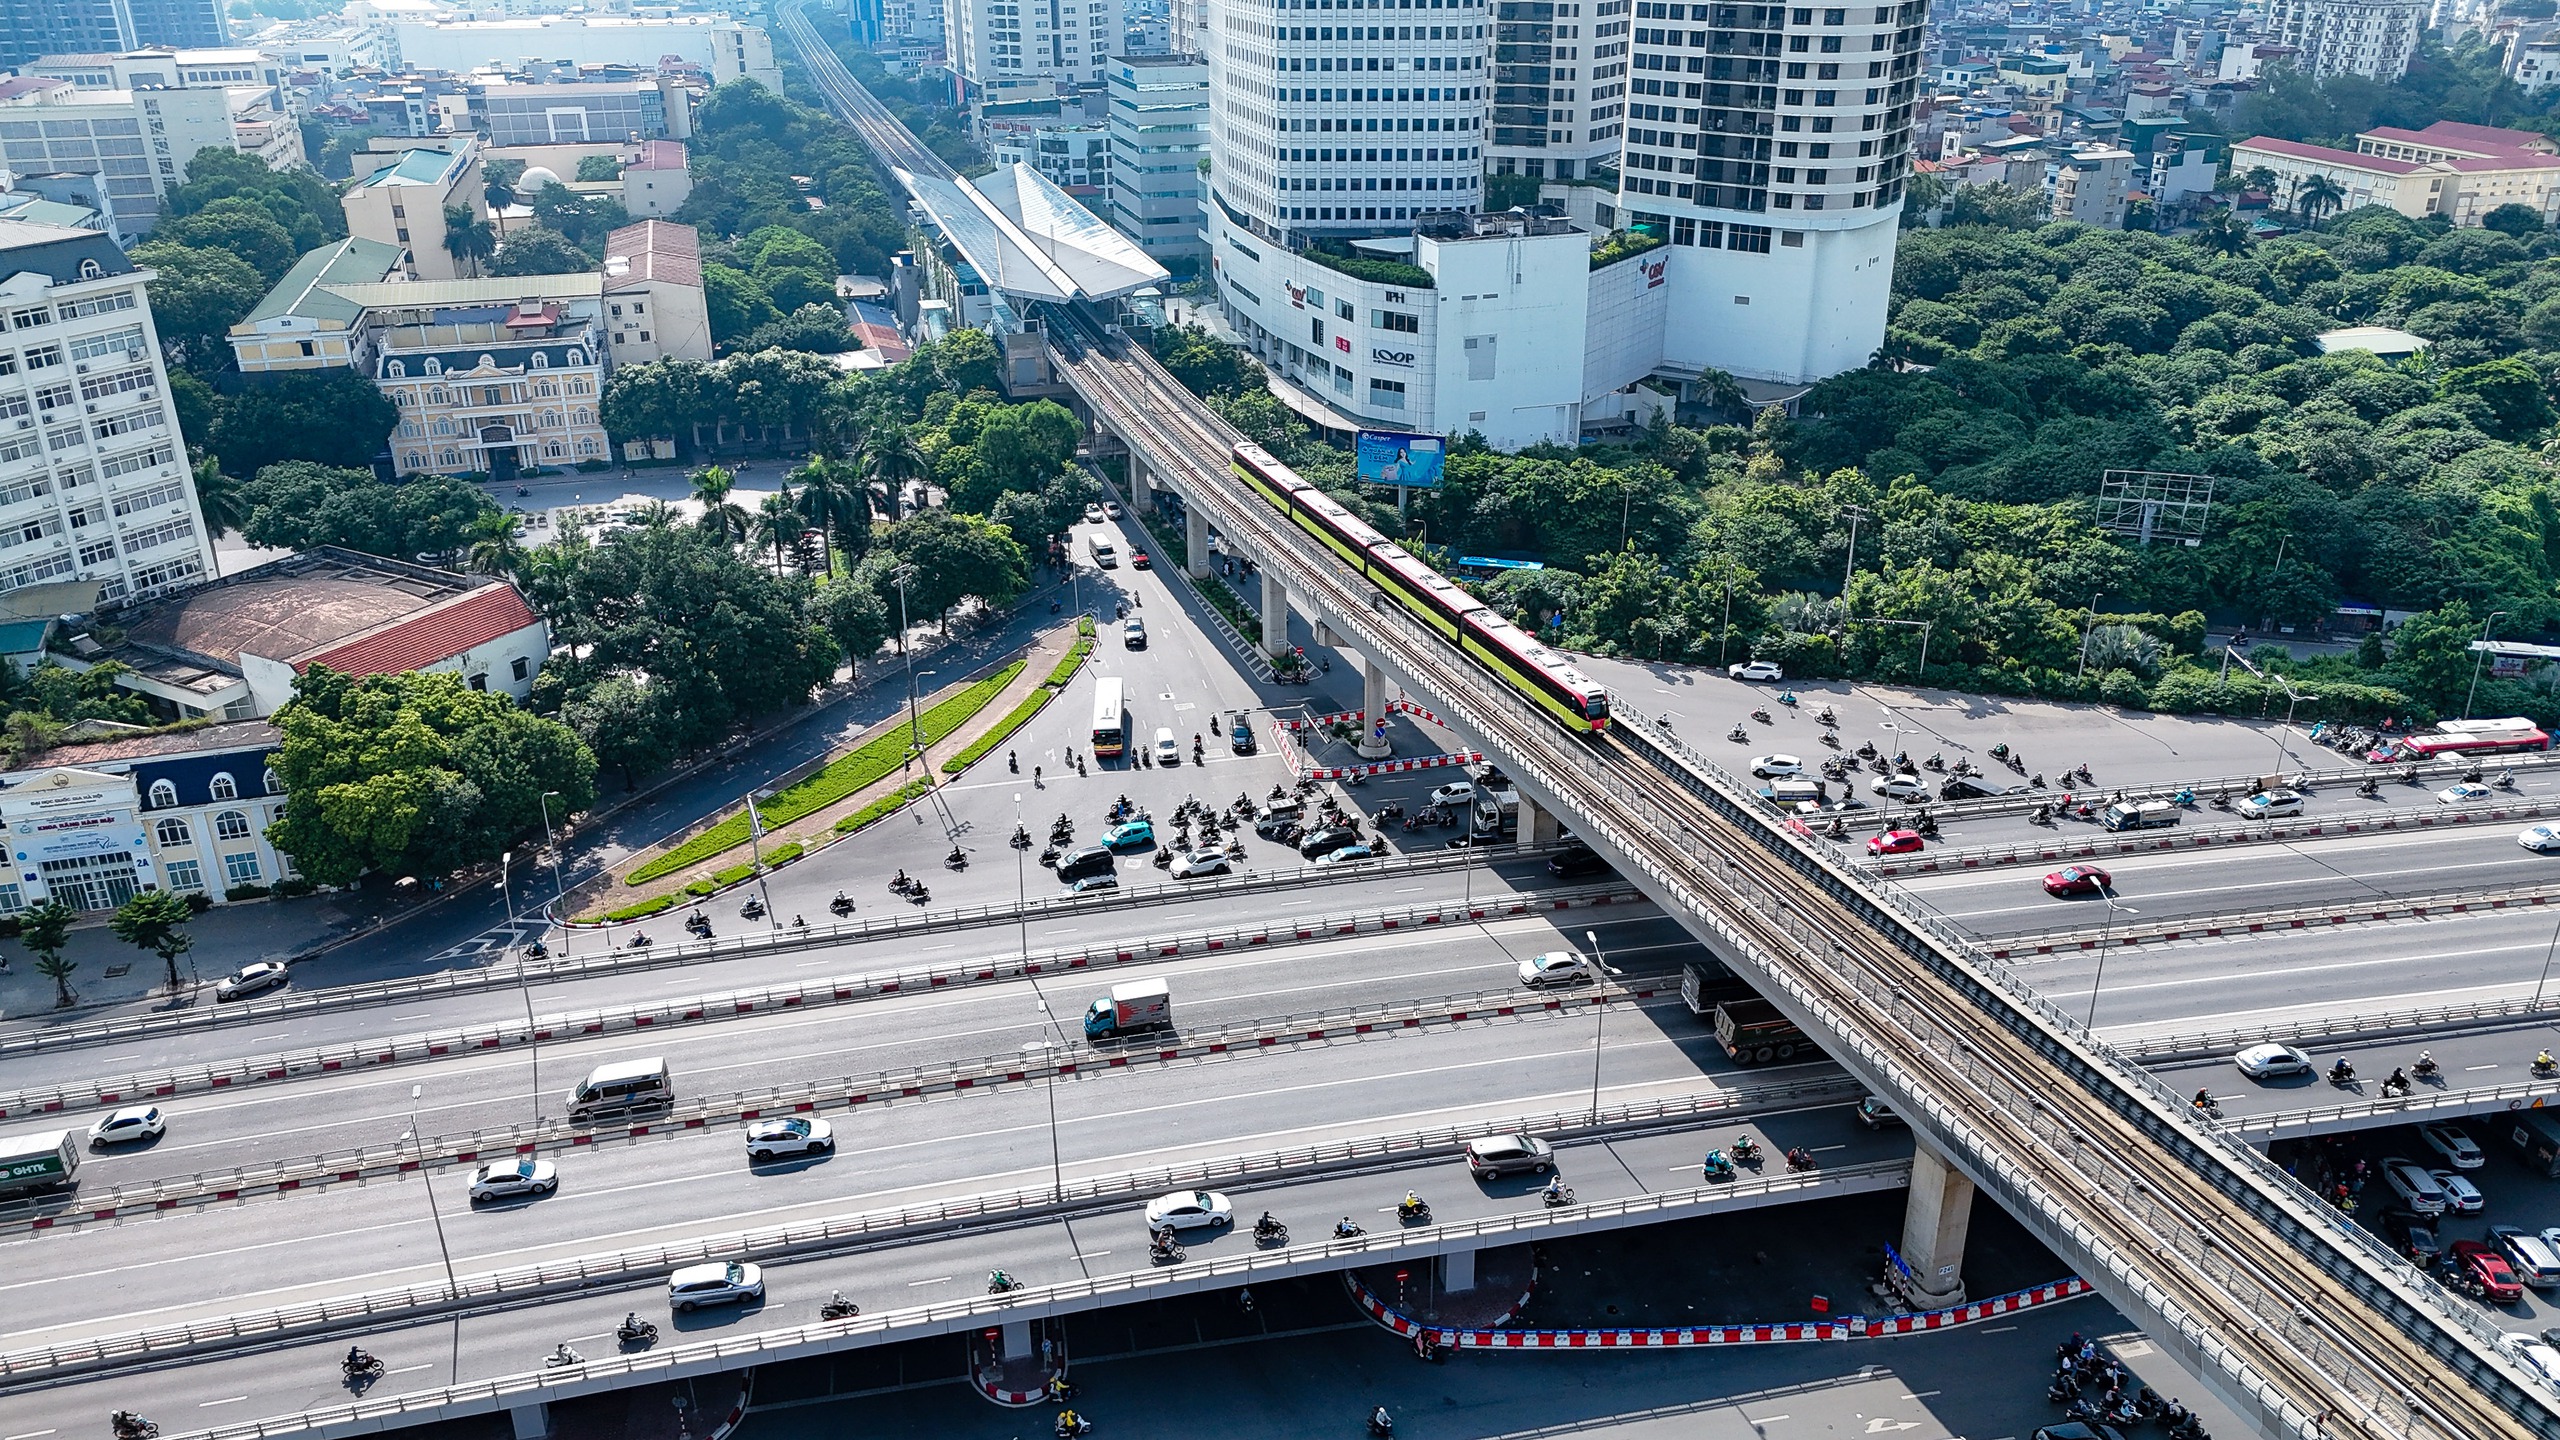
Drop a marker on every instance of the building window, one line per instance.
(273, 782)
(396, 369)
(173, 832)
(480, 681)
(1386, 394)
(520, 667)
(89, 270)
(225, 788)
(231, 825)
(240, 869)
(183, 874)
(163, 794)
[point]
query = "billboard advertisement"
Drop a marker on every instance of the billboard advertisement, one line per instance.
(1392, 457)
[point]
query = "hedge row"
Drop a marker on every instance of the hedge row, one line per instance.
(849, 774)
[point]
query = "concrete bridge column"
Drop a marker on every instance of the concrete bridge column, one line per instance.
(1195, 543)
(1141, 488)
(1538, 825)
(1934, 1223)
(1322, 635)
(1017, 1339)
(1275, 614)
(532, 1422)
(1458, 1271)
(1373, 708)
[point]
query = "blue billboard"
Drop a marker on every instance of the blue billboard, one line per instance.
(1392, 457)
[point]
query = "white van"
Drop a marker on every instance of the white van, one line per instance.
(622, 1087)
(1786, 794)
(1105, 554)
(1168, 749)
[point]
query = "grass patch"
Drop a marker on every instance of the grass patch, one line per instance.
(783, 854)
(890, 803)
(1021, 716)
(1226, 602)
(643, 909)
(1084, 625)
(1068, 664)
(849, 774)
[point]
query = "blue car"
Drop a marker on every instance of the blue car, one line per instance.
(1130, 835)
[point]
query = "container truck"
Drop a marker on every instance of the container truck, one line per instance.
(1130, 1008)
(45, 1160)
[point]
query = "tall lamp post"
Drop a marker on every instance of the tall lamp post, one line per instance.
(1600, 1017)
(2479, 660)
(1022, 922)
(2104, 936)
(452, 1287)
(524, 986)
(559, 890)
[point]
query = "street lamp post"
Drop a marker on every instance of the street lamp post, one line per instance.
(524, 987)
(1854, 513)
(2104, 936)
(1022, 922)
(452, 1287)
(1600, 1017)
(559, 890)
(2548, 951)
(2478, 660)
(2087, 630)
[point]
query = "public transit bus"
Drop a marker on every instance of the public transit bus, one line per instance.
(1110, 718)
(2513, 735)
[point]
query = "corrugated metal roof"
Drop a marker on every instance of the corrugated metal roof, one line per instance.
(418, 294)
(353, 260)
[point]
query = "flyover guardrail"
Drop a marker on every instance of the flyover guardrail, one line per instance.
(2292, 917)
(849, 1092)
(615, 960)
(803, 995)
(864, 1227)
(2308, 781)
(2129, 842)
(2422, 1103)
(2167, 1048)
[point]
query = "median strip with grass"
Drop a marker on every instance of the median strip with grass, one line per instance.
(855, 771)
(1031, 705)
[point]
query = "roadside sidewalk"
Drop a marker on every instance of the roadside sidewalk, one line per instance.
(227, 937)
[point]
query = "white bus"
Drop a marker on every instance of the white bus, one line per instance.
(1110, 718)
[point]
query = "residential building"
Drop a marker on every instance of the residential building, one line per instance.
(2535, 64)
(94, 482)
(1770, 145)
(2459, 171)
(2184, 170)
(655, 182)
(139, 141)
(184, 810)
(1499, 325)
(306, 322)
(512, 113)
(1559, 87)
(1159, 126)
(157, 69)
(994, 46)
(30, 29)
(2091, 185)
(403, 204)
(1284, 169)
(2370, 38)
(655, 308)
(724, 48)
(1074, 157)
(233, 648)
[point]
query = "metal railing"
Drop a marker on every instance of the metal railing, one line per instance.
(2207, 1044)
(2422, 1103)
(842, 1231)
(2126, 842)
(2292, 917)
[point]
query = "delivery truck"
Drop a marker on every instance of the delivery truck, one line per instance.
(1755, 1032)
(1137, 1006)
(45, 1160)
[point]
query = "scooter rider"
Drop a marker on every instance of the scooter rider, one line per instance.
(1555, 1190)
(2204, 1099)
(357, 1359)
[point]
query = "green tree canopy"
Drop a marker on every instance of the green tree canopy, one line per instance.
(539, 250)
(329, 417)
(296, 504)
(197, 295)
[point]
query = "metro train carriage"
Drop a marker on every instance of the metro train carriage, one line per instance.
(1512, 654)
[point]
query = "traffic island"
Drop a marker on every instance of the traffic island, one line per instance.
(1466, 1290)
(1013, 1364)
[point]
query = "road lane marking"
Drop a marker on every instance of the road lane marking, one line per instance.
(1998, 1330)
(2480, 1067)
(31, 1434)
(1920, 1394)
(411, 1369)
(209, 1404)
(936, 1280)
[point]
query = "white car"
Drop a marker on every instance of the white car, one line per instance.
(798, 1135)
(1899, 787)
(1168, 749)
(2461, 1197)
(2416, 1188)
(2540, 839)
(2536, 1357)
(1093, 514)
(1195, 863)
(1772, 767)
(734, 1283)
(252, 979)
(1111, 508)
(2465, 793)
(2267, 804)
(1458, 794)
(121, 1127)
(2270, 1062)
(1756, 670)
(2451, 1142)
(1556, 967)
(520, 1177)
(1190, 1210)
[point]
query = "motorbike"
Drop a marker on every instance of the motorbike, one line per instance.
(919, 896)
(637, 942)
(999, 1282)
(1165, 1250)
(1831, 739)
(958, 859)
(2041, 815)
(1021, 837)
(1717, 1167)
(753, 909)
(2185, 797)
(2038, 781)
(840, 905)
(361, 1367)
(2085, 777)
(698, 927)
(1738, 735)
(637, 1332)
(1826, 717)
(1068, 1428)
(2000, 751)
(1746, 1152)
(2221, 800)
(1271, 1232)
(1866, 749)
(1049, 856)
(1382, 1426)
(1762, 716)
(1787, 698)
(2425, 1069)
(1347, 1231)
(837, 1307)
(901, 883)
(1414, 1210)
(536, 951)
(1964, 768)
(1799, 1158)
(2370, 789)
(563, 1357)
(2543, 1065)
(1392, 810)
(1162, 859)
(2342, 1074)
(2064, 1389)
(129, 1426)
(1934, 762)
(1556, 1196)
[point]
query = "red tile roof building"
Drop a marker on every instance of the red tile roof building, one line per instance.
(2451, 169)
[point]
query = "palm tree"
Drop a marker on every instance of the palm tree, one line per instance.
(722, 518)
(468, 238)
(42, 928)
(890, 459)
(2223, 233)
(834, 501)
(2314, 195)
(778, 522)
(492, 547)
(218, 498)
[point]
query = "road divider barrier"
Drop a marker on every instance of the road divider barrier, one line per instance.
(2299, 917)
(1780, 1332)
(2101, 842)
(2344, 1029)
(810, 994)
(852, 1231)
(2421, 1104)
(850, 1092)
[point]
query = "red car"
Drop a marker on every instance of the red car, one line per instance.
(2484, 1272)
(1138, 560)
(2078, 880)
(1894, 842)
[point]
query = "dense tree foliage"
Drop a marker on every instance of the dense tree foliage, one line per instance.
(328, 417)
(415, 774)
(747, 145)
(296, 504)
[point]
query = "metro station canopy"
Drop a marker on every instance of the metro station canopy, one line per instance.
(1031, 240)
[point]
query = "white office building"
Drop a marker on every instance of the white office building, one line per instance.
(1159, 126)
(94, 482)
(1771, 144)
(1045, 45)
(2371, 38)
(139, 141)
(1559, 87)
(727, 49)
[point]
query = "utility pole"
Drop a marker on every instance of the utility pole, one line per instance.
(1855, 513)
